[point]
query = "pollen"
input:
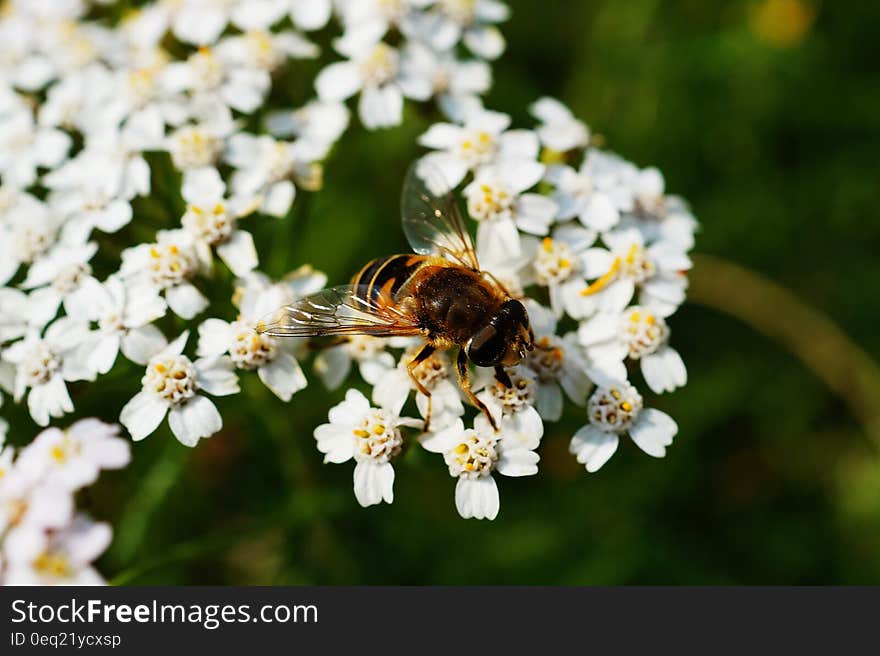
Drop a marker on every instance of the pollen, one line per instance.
(52, 564)
(603, 281)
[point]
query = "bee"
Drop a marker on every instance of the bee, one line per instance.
(438, 293)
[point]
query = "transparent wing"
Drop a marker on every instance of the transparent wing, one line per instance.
(342, 310)
(432, 222)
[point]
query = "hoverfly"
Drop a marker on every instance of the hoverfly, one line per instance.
(439, 294)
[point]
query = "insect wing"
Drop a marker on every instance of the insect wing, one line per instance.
(343, 310)
(432, 221)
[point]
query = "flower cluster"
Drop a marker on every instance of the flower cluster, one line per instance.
(598, 252)
(43, 540)
(153, 135)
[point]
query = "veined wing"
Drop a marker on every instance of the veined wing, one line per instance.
(343, 310)
(432, 221)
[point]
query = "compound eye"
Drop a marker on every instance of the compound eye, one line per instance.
(487, 347)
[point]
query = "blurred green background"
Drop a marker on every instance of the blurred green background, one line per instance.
(765, 115)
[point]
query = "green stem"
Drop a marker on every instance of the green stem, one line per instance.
(156, 486)
(808, 334)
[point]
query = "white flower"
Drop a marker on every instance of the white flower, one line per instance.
(212, 221)
(43, 364)
(96, 186)
(373, 68)
(657, 270)
(451, 80)
(124, 322)
(472, 456)
(660, 217)
(14, 312)
(275, 365)
(648, 187)
(72, 101)
(63, 557)
(639, 334)
(556, 362)
(258, 49)
(24, 65)
(310, 14)
(616, 409)
(24, 147)
(318, 124)
(201, 143)
(171, 386)
(27, 503)
(7, 452)
(333, 364)
(167, 266)
(63, 275)
(75, 456)
(557, 263)
(597, 194)
(495, 198)
(434, 374)
(375, 15)
(372, 437)
(266, 168)
(471, 21)
(28, 232)
(559, 129)
(256, 295)
(201, 22)
(518, 399)
(209, 76)
(483, 139)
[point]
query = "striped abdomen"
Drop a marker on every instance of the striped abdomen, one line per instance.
(386, 274)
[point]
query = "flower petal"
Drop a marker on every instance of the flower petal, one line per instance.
(194, 420)
(653, 432)
(283, 376)
(477, 498)
(593, 447)
(143, 414)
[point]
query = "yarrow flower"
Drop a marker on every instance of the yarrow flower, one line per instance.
(474, 454)
(171, 386)
(372, 437)
(134, 152)
(167, 266)
(616, 409)
(43, 540)
(44, 365)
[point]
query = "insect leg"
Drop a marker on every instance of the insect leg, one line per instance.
(421, 356)
(465, 381)
(502, 377)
